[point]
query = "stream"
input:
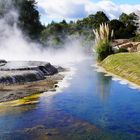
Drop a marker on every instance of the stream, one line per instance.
(92, 107)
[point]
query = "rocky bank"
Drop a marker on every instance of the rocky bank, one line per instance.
(19, 79)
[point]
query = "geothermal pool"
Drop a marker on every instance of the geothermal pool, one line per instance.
(92, 107)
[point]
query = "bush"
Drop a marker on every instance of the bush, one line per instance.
(122, 50)
(136, 38)
(102, 41)
(103, 50)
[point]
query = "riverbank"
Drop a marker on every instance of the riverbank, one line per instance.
(19, 79)
(18, 91)
(124, 66)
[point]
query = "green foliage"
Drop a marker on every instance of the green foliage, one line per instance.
(29, 19)
(29, 22)
(100, 18)
(103, 50)
(55, 32)
(80, 28)
(102, 41)
(136, 38)
(93, 21)
(128, 19)
(125, 27)
(118, 27)
(122, 50)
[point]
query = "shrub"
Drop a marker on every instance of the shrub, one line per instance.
(102, 41)
(103, 50)
(136, 38)
(122, 50)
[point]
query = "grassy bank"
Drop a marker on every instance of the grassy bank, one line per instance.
(125, 65)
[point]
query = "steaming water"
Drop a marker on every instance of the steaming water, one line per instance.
(15, 45)
(92, 107)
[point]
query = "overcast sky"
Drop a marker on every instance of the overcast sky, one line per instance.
(57, 10)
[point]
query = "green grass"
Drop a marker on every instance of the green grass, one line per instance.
(125, 65)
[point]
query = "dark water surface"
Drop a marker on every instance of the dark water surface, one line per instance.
(93, 107)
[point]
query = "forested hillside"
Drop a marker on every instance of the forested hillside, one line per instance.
(56, 33)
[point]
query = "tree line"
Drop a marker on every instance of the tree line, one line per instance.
(29, 21)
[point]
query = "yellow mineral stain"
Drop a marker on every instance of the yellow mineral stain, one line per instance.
(23, 101)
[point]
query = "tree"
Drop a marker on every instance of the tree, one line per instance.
(29, 19)
(64, 22)
(93, 21)
(100, 18)
(56, 32)
(118, 27)
(130, 21)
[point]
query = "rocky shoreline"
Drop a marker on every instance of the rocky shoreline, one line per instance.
(19, 79)
(16, 72)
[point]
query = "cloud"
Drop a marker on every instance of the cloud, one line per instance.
(76, 9)
(62, 9)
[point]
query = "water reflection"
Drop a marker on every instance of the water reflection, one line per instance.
(103, 86)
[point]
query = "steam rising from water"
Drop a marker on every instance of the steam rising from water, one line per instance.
(16, 46)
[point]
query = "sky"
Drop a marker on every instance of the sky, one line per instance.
(57, 10)
(122, 1)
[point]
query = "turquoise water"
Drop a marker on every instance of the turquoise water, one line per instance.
(93, 107)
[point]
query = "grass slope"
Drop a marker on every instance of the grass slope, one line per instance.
(126, 65)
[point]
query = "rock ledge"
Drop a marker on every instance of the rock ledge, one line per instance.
(12, 72)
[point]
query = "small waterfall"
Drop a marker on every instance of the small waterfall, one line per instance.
(21, 72)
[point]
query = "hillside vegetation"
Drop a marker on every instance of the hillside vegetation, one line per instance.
(126, 65)
(56, 33)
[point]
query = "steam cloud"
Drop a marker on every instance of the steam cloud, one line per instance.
(14, 45)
